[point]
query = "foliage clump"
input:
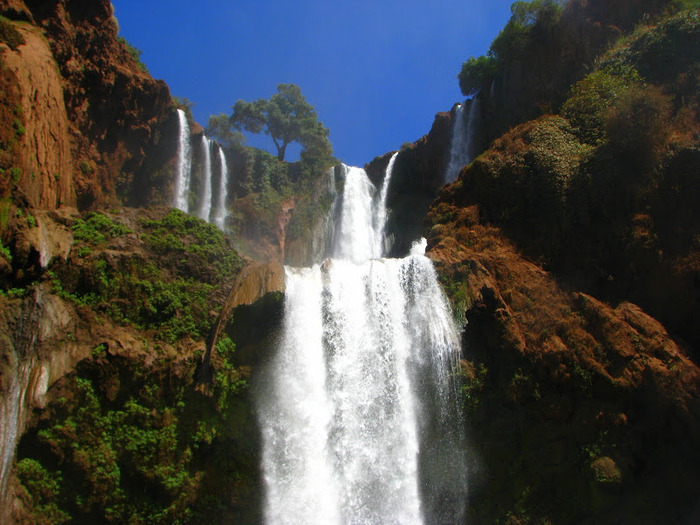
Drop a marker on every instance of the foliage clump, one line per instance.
(129, 443)
(163, 280)
(592, 97)
(660, 52)
(97, 229)
(528, 22)
(185, 238)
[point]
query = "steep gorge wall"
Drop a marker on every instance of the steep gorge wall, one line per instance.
(98, 128)
(43, 150)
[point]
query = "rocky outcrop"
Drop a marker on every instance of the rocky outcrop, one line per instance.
(251, 307)
(598, 404)
(84, 325)
(44, 339)
(418, 174)
(95, 124)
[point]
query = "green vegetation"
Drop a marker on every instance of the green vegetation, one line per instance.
(286, 117)
(9, 34)
(85, 167)
(43, 488)
(18, 127)
(528, 22)
(135, 54)
(662, 51)
(183, 238)
(5, 205)
(98, 229)
(477, 72)
(592, 97)
(5, 252)
(219, 126)
(228, 379)
(637, 125)
(474, 381)
(130, 443)
(167, 289)
(15, 174)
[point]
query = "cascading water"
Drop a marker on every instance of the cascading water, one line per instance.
(10, 415)
(223, 192)
(358, 416)
(462, 145)
(381, 240)
(205, 204)
(184, 165)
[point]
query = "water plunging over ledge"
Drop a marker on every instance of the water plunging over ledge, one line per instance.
(358, 414)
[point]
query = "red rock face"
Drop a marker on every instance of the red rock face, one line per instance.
(578, 409)
(92, 115)
(44, 149)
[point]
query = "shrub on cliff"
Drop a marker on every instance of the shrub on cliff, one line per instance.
(522, 182)
(637, 125)
(660, 52)
(528, 20)
(163, 279)
(134, 52)
(591, 98)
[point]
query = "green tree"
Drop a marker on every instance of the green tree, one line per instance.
(286, 117)
(219, 127)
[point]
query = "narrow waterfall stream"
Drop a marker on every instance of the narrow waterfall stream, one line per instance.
(462, 143)
(220, 218)
(205, 205)
(184, 164)
(358, 414)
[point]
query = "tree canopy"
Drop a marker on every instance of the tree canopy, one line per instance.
(286, 117)
(527, 17)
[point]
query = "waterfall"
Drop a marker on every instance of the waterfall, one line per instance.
(205, 204)
(11, 407)
(381, 241)
(358, 414)
(184, 165)
(462, 146)
(223, 194)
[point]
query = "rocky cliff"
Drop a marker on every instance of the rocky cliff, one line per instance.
(556, 248)
(84, 122)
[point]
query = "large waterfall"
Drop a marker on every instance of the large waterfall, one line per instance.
(358, 413)
(462, 145)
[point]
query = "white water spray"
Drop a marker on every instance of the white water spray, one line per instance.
(205, 205)
(358, 416)
(184, 164)
(223, 191)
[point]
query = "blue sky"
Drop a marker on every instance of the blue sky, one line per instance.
(376, 71)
